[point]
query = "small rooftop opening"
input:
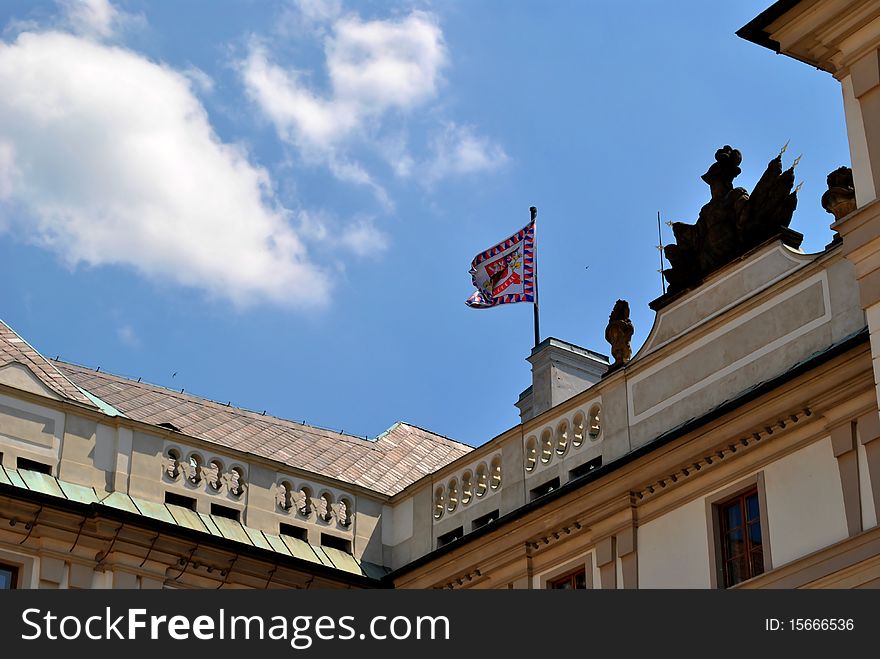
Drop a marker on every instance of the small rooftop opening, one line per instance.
(174, 499)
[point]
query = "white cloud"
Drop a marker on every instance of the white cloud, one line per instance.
(460, 150)
(109, 158)
(96, 18)
(201, 80)
(300, 117)
(319, 11)
(373, 67)
(128, 336)
(377, 65)
(377, 71)
(9, 174)
(363, 239)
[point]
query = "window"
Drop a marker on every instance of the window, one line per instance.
(452, 536)
(467, 488)
(546, 488)
(482, 480)
(485, 519)
(595, 421)
(31, 465)
(336, 542)
(180, 500)
(585, 468)
(225, 511)
(576, 580)
(8, 577)
(452, 496)
(742, 547)
(295, 532)
(439, 503)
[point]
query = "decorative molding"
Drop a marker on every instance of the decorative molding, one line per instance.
(560, 533)
(467, 577)
(722, 451)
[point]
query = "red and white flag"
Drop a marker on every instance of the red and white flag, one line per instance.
(505, 273)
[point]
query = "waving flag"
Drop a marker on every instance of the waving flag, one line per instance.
(505, 273)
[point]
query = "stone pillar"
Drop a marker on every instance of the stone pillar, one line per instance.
(869, 437)
(860, 231)
(122, 467)
(843, 441)
(629, 564)
(606, 559)
(864, 85)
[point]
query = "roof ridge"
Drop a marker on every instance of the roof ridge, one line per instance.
(430, 432)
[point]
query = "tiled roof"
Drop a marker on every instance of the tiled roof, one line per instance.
(398, 457)
(14, 349)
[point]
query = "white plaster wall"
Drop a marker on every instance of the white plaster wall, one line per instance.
(804, 502)
(863, 177)
(673, 549)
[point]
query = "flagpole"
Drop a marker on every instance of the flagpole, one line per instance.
(534, 212)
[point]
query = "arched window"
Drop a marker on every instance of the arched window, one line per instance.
(531, 458)
(482, 480)
(595, 421)
(326, 512)
(195, 468)
(546, 446)
(452, 496)
(215, 480)
(579, 429)
(439, 504)
(344, 511)
(467, 488)
(562, 438)
(172, 463)
(304, 505)
(284, 497)
(236, 481)
(495, 474)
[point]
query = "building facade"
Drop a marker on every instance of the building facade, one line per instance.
(738, 447)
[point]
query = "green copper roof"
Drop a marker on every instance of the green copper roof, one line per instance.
(214, 525)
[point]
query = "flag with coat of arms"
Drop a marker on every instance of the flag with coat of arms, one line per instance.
(505, 273)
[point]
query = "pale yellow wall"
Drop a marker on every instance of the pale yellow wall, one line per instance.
(804, 502)
(805, 513)
(112, 457)
(29, 431)
(21, 377)
(674, 549)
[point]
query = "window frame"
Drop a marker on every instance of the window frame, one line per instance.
(585, 562)
(16, 574)
(742, 504)
(570, 577)
(714, 504)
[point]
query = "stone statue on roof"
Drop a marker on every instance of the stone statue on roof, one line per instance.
(619, 333)
(733, 221)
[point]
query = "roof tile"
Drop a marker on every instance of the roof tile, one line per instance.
(395, 459)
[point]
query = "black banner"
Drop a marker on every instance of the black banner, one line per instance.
(398, 623)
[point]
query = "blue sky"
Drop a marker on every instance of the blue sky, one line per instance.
(279, 200)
